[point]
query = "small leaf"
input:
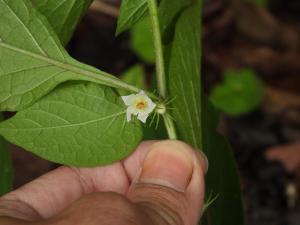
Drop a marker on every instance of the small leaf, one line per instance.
(131, 12)
(63, 15)
(240, 93)
(141, 40)
(77, 124)
(32, 59)
(6, 173)
(135, 75)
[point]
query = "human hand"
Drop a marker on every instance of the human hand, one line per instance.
(161, 183)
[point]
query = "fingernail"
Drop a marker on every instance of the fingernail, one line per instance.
(169, 164)
(205, 164)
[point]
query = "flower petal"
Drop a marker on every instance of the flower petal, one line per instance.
(128, 99)
(151, 105)
(142, 93)
(143, 117)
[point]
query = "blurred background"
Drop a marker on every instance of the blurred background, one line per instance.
(251, 72)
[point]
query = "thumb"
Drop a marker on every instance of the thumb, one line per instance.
(170, 186)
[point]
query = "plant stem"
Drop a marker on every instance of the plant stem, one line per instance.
(170, 126)
(160, 66)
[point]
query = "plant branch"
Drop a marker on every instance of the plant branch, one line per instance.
(170, 126)
(160, 66)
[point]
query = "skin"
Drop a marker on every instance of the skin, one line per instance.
(161, 183)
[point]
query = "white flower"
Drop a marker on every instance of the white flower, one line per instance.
(139, 105)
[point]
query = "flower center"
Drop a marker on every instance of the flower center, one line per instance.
(140, 105)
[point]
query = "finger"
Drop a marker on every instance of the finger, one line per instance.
(133, 163)
(51, 193)
(170, 187)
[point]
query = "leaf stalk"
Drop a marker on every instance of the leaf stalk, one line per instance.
(160, 65)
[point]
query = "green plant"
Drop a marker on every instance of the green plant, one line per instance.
(241, 92)
(71, 113)
(141, 40)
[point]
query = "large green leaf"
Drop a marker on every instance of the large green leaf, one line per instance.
(184, 76)
(168, 11)
(5, 167)
(222, 179)
(197, 123)
(63, 15)
(131, 12)
(32, 59)
(77, 124)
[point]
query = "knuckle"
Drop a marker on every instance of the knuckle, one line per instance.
(161, 205)
(107, 207)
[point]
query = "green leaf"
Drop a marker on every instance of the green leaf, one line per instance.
(184, 76)
(169, 10)
(131, 12)
(77, 124)
(135, 76)
(241, 92)
(6, 173)
(63, 15)
(142, 40)
(197, 123)
(222, 178)
(32, 59)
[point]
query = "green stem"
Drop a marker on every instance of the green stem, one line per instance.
(160, 65)
(170, 126)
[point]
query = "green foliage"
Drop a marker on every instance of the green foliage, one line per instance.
(197, 120)
(168, 13)
(130, 13)
(69, 13)
(84, 124)
(135, 75)
(142, 41)
(33, 61)
(184, 74)
(5, 167)
(241, 92)
(77, 124)
(222, 178)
